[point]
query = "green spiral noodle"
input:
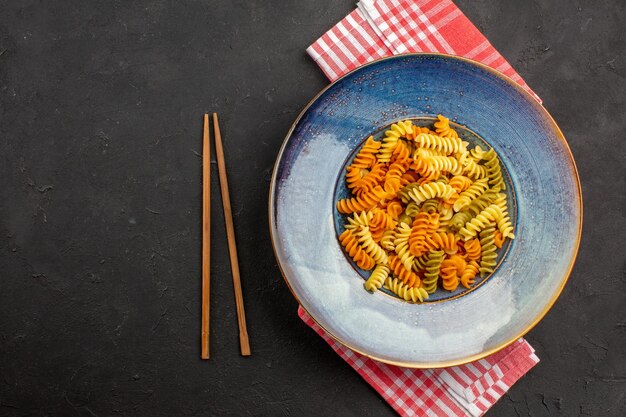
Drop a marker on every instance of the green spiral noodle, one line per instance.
(419, 263)
(459, 220)
(489, 255)
(405, 218)
(412, 209)
(493, 170)
(482, 202)
(431, 274)
(377, 278)
(429, 206)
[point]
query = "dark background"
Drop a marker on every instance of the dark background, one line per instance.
(100, 129)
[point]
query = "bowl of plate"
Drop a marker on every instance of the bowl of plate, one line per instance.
(538, 188)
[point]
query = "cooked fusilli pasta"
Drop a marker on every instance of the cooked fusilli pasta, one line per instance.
(424, 211)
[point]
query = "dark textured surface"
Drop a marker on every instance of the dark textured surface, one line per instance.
(100, 122)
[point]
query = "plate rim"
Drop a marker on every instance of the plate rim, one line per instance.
(560, 136)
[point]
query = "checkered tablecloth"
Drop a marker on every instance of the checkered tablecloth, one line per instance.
(380, 28)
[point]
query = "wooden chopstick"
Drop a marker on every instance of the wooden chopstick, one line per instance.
(244, 343)
(206, 238)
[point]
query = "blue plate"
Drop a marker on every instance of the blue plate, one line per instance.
(543, 191)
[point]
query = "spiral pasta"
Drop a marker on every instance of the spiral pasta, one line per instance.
(488, 247)
(360, 257)
(471, 193)
(421, 193)
(493, 170)
(378, 277)
(401, 245)
(469, 273)
(438, 143)
(442, 240)
(366, 241)
(391, 138)
(442, 127)
(407, 276)
(367, 155)
(365, 201)
(424, 211)
(478, 223)
(413, 294)
(431, 271)
(359, 219)
(363, 180)
(473, 249)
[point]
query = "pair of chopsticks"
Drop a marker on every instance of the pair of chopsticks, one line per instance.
(244, 343)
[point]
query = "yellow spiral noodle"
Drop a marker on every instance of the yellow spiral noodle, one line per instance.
(477, 153)
(359, 219)
(363, 202)
(431, 274)
(442, 127)
(372, 248)
(388, 239)
(445, 217)
(489, 255)
(354, 250)
(377, 278)
(401, 245)
(493, 170)
(404, 292)
(504, 223)
(473, 170)
(421, 193)
(466, 197)
(367, 155)
(478, 223)
(470, 271)
(444, 164)
(438, 143)
(390, 140)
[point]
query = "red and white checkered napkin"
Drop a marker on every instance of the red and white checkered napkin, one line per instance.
(459, 391)
(380, 28)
